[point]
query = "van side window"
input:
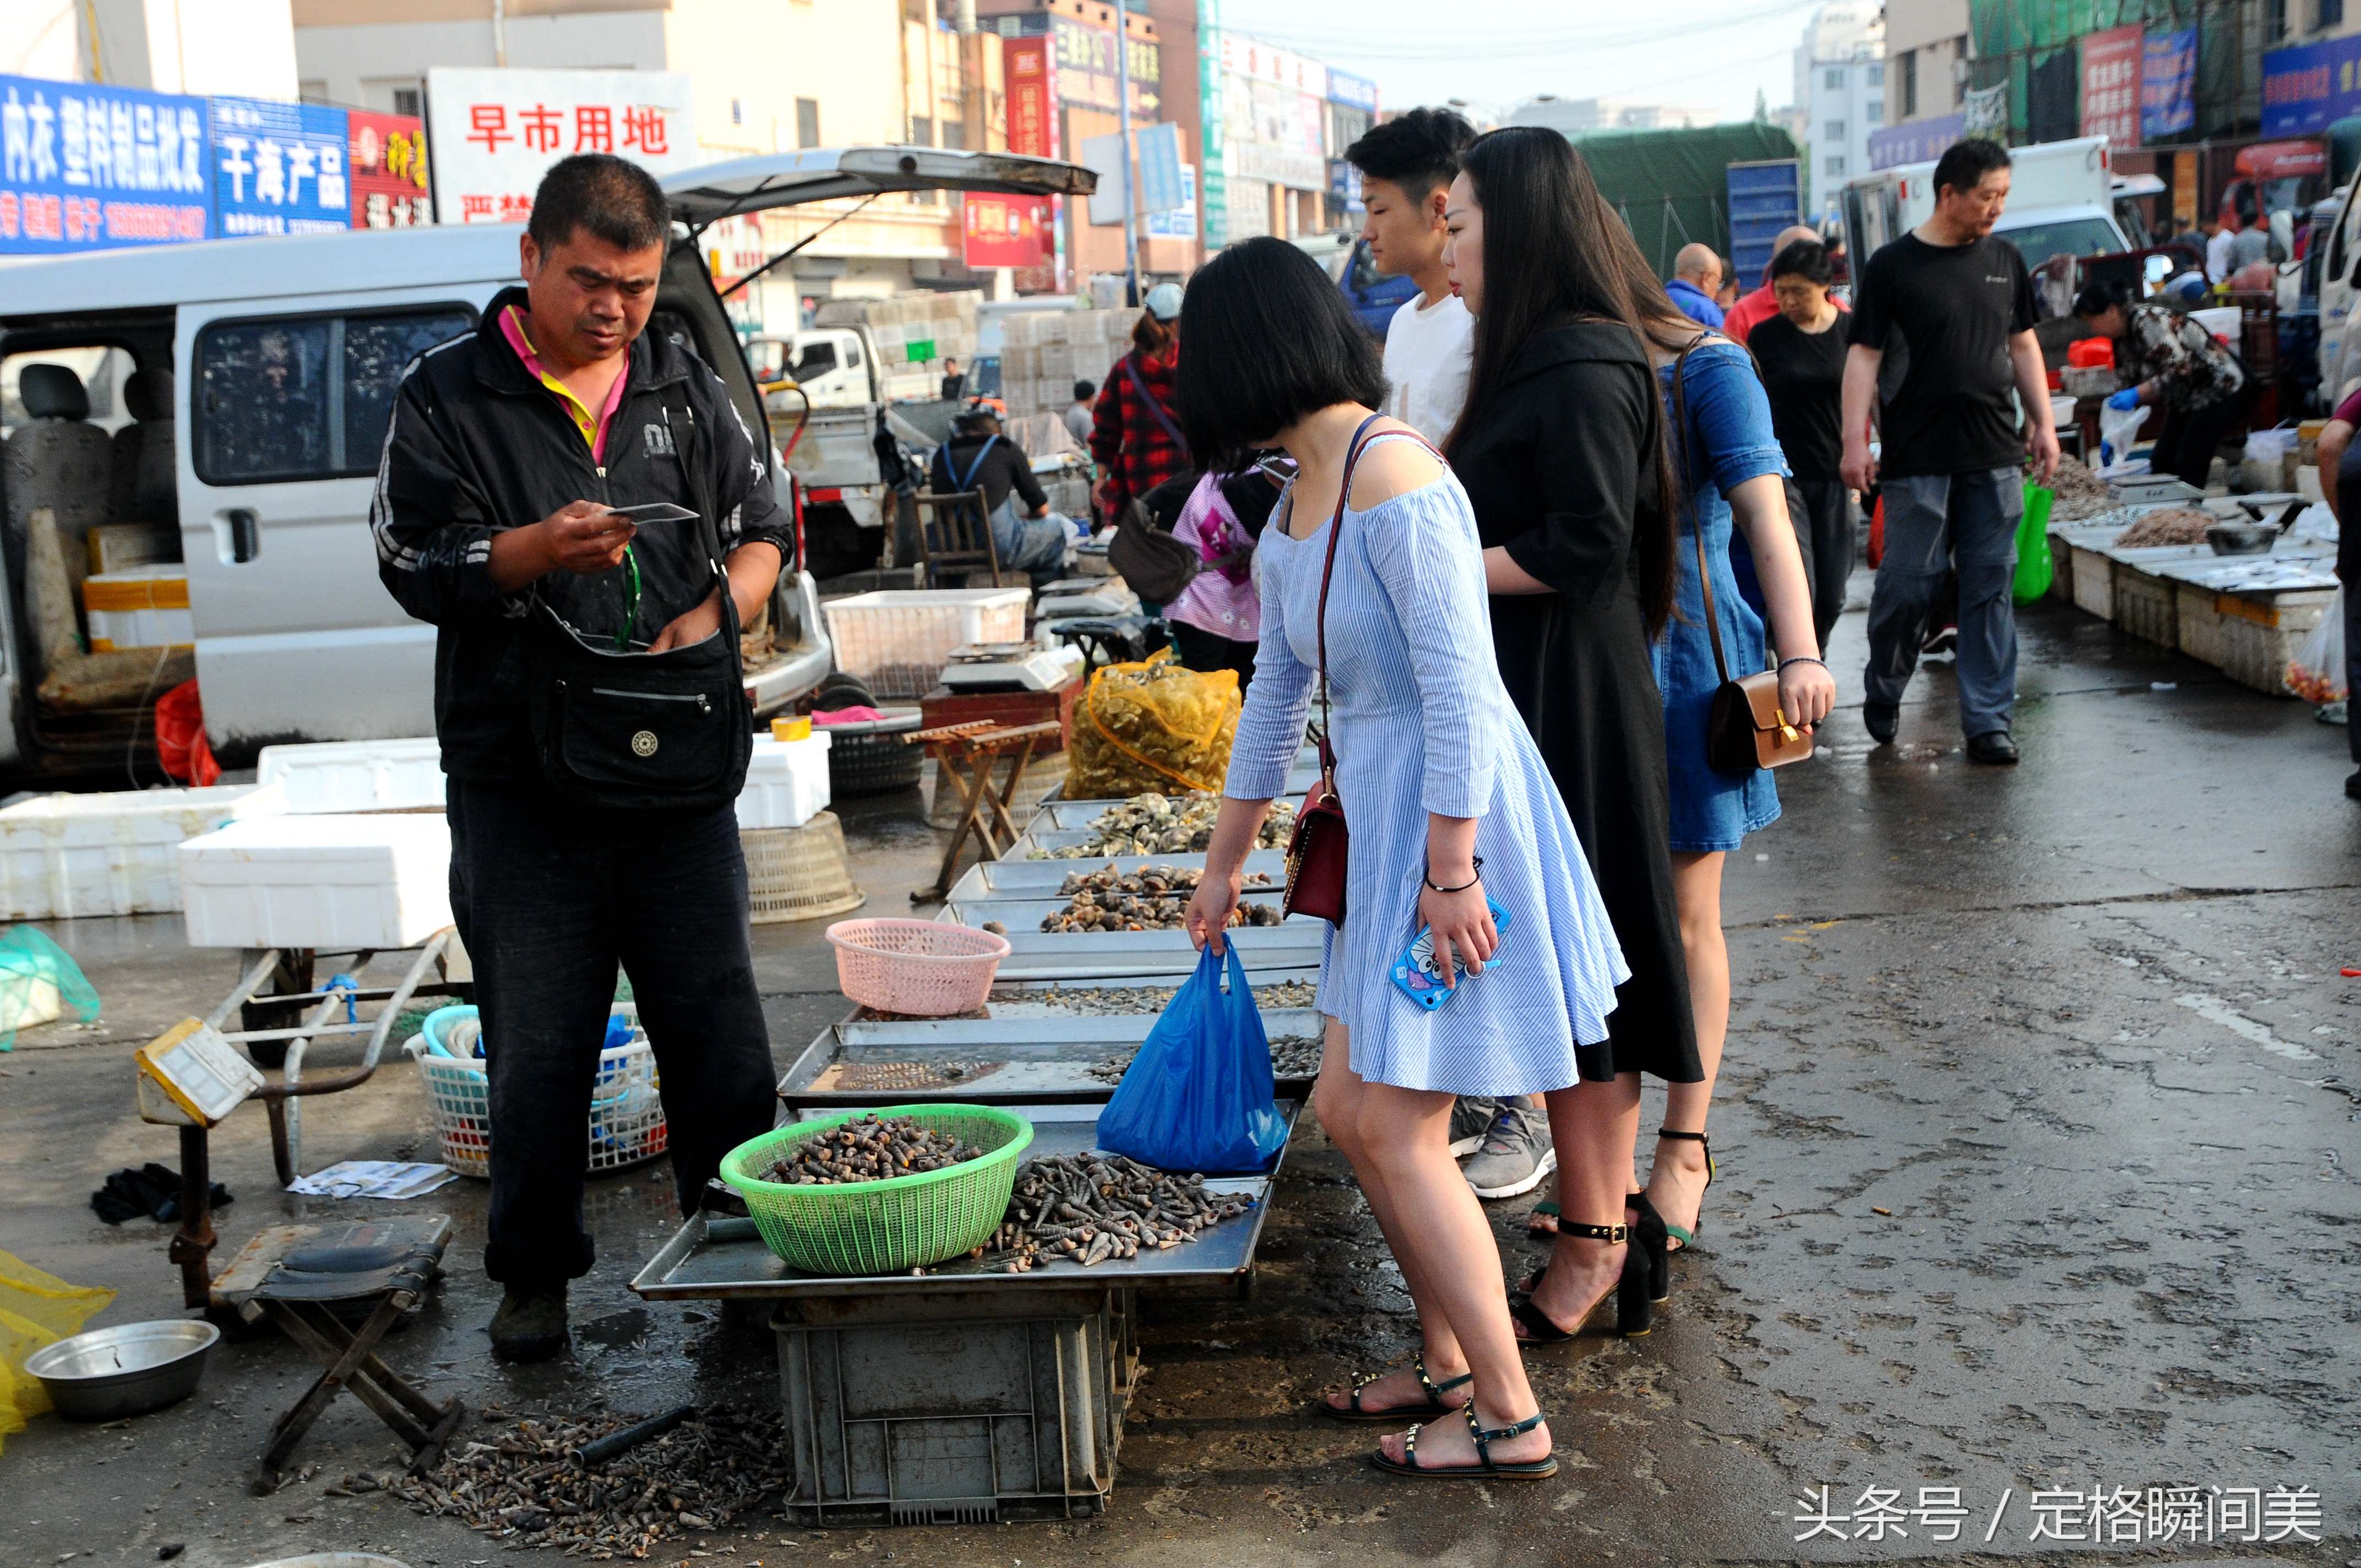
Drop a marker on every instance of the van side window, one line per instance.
(305, 397)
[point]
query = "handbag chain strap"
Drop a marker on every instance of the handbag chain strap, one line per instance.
(1681, 477)
(1328, 568)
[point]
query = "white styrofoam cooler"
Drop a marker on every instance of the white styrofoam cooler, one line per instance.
(357, 775)
(68, 855)
(319, 882)
(786, 783)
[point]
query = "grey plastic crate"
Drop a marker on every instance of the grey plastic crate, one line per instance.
(958, 1416)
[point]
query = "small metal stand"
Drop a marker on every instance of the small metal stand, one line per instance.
(968, 754)
(277, 984)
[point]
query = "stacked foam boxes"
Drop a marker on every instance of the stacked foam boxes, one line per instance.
(1046, 352)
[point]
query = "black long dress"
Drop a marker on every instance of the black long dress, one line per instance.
(1559, 465)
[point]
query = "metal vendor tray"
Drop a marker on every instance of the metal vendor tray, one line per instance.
(1001, 1060)
(1042, 879)
(713, 1258)
(1294, 946)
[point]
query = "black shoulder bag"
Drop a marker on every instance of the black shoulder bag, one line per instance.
(638, 731)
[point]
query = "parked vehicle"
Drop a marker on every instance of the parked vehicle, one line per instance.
(2062, 201)
(287, 351)
(1375, 296)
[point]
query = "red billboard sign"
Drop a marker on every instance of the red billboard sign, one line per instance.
(1032, 97)
(1004, 231)
(2111, 85)
(386, 161)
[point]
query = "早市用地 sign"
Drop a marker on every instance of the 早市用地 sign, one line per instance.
(492, 134)
(89, 167)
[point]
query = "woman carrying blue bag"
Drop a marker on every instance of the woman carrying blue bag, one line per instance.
(1373, 587)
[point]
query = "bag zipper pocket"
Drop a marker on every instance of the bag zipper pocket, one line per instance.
(704, 703)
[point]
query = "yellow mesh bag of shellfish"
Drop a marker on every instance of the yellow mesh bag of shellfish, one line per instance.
(1152, 726)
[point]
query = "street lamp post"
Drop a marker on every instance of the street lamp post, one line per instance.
(1122, 123)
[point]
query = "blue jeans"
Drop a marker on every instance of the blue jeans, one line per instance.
(549, 899)
(1935, 523)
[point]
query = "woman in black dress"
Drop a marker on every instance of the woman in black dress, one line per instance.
(1561, 450)
(1802, 354)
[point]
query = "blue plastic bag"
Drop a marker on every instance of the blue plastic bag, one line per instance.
(1199, 1096)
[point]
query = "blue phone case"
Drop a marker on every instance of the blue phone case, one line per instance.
(1415, 975)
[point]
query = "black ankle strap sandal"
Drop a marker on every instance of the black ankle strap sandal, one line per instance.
(1485, 1466)
(1688, 1238)
(1435, 1403)
(1629, 1293)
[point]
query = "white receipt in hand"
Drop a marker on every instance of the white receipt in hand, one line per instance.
(654, 511)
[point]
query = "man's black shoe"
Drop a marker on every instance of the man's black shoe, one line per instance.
(530, 1325)
(1942, 640)
(1881, 723)
(1994, 747)
(2352, 786)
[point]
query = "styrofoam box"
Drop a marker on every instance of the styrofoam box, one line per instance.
(115, 631)
(357, 775)
(68, 855)
(786, 783)
(319, 882)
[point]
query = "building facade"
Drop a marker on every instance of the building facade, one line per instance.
(1841, 85)
(765, 77)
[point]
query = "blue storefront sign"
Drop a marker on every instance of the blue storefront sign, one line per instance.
(279, 168)
(1920, 141)
(2168, 83)
(88, 166)
(2309, 85)
(1353, 92)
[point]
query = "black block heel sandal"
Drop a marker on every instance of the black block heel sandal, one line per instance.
(1648, 1236)
(1484, 1468)
(1630, 1292)
(1435, 1404)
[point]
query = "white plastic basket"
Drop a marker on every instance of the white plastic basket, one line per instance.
(895, 640)
(627, 1117)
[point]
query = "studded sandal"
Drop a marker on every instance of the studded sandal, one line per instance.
(1435, 1403)
(1484, 1467)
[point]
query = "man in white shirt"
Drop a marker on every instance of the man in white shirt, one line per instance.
(2217, 251)
(1407, 165)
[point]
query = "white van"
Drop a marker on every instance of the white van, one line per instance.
(2062, 200)
(262, 373)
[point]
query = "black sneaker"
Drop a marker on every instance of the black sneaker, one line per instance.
(2352, 786)
(1881, 722)
(530, 1325)
(1942, 640)
(1992, 748)
(1471, 1118)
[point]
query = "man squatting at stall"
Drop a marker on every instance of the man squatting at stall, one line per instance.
(497, 438)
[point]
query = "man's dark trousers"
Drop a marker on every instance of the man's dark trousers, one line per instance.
(548, 899)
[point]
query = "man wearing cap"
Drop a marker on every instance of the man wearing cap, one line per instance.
(979, 457)
(1134, 433)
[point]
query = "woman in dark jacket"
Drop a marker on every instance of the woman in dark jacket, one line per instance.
(1561, 450)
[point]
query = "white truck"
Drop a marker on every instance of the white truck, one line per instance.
(2064, 199)
(268, 369)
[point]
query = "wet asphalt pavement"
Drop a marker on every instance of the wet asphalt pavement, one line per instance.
(2037, 1146)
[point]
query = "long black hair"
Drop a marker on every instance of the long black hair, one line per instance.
(1555, 252)
(1270, 339)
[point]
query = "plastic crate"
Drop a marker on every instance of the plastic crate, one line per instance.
(895, 640)
(627, 1116)
(960, 1416)
(798, 873)
(68, 855)
(872, 757)
(357, 775)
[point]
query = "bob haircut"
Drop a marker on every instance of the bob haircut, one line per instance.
(1271, 340)
(1806, 258)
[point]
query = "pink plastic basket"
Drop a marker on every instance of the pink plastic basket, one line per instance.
(928, 967)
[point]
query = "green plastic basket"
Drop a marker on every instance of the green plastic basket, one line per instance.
(890, 1226)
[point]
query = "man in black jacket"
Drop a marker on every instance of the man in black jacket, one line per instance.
(507, 450)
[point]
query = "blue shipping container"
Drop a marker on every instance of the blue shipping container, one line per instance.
(1763, 199)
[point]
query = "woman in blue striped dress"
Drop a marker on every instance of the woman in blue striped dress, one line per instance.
(1450, 806)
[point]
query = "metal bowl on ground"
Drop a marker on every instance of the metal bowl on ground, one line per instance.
(107, 1374)
(2241, 538)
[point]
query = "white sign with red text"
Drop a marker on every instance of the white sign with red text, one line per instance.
(491, 135)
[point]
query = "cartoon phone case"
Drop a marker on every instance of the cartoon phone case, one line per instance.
(1415, 975)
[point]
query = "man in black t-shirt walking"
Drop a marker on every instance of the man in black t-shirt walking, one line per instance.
(1951, 468)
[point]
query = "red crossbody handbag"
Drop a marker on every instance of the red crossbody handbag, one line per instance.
(1316, 851)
